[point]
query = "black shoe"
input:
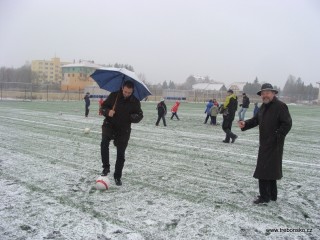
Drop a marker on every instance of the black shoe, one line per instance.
(118, 181)
(260, 200)
(234, 139)
(105, 172)
(225, 141)
(273, 199)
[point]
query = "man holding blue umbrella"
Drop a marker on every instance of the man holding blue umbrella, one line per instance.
(120, 109)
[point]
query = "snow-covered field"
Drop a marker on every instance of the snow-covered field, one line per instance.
(179, 182)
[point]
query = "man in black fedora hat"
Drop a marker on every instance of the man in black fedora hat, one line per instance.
(274, 122)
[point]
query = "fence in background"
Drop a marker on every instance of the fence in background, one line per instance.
(29, 92)
(49, 92)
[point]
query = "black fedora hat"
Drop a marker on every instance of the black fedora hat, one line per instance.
(267, 87)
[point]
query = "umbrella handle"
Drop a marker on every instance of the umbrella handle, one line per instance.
(114, 105)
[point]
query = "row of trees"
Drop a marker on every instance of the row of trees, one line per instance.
(298, 91)
(255, 86)
(20, 75)
(187, 85)
(294, 87)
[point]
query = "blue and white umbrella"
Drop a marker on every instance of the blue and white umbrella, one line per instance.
(112, 80)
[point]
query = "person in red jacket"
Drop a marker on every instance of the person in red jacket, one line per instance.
(174, 110)
(100, 104)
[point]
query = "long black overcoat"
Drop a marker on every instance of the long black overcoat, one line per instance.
(274, 122)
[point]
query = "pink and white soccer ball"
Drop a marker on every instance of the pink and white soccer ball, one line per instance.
(102, 183)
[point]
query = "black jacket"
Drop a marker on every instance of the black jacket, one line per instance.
(162, 109)
(127, 111)
(230, 107)
(274, 122)
(245, 102)
(87, 100)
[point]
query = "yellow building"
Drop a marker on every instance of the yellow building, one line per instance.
(76, 76)
(48, 71)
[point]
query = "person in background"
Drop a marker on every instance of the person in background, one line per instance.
(214, 110)
(215, 102)
(87, 103)
(100, 104)
(256, 109)
(274, 122)
(229, 109)
(174, 110)
(244, 106)
(120, 109)
(207, 111)
(162, 112)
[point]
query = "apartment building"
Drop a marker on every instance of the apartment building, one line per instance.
(76, 76)
(48, 71)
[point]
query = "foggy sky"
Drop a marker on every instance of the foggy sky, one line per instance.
(227, 40)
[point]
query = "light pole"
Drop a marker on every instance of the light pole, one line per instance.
(319, 92)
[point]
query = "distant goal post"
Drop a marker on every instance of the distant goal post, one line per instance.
(175, 95)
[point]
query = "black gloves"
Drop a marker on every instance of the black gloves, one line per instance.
(136, 117)
(104, 112)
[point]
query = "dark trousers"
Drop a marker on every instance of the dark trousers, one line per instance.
(121, 148)
(207, 117)
(268, 189)
(163, 119)
(174, 114)
(87, 111)
(213, 120)
(226, 127)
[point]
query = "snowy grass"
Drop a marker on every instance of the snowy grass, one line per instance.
(179, 182)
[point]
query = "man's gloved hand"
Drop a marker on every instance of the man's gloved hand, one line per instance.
(136, 117)
(104, 112)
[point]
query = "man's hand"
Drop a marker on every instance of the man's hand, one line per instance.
(241, 124)
(111, 113)
(136, 117)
